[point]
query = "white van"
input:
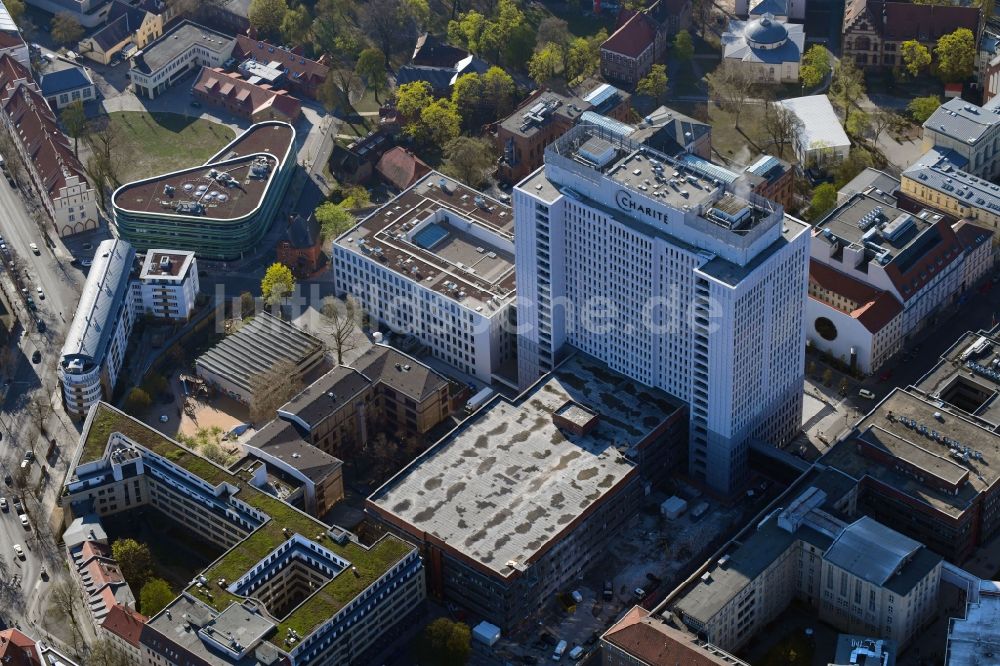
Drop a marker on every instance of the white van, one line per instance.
(558, 652)
(576, 654)
(865, 393)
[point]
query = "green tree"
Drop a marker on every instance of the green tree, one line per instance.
(956, 55)
(74, 119)
(583, 57)
(467, 95)
(65, 29)
(469, 160)
(857, 123)
(267, 16)
(498, 91)
(353, 197)
(654, 84)
(106, 653)
(16, 10)
(295, 25)
(154, 596)
(371, 70)
(441, 122)
(137, 401)
(921, 108)
(333, 219)
(730, 85)
(134, 560)
(916, 56)
(277, 283)
(467, 29)
(445, 643)
(412, 98)
(683, 46)
(857, 161)
(847, 86)
(815, 66)
(545, 64)
(823, 199)
(553, 30)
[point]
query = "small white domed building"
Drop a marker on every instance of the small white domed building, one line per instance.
(771, 47)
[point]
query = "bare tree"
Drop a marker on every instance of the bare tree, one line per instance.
(13, 159)
(105, 163)
(62, 600)
(273, 388)
(731, 85)
(106, 653)
(781, 125)
(39, 409)
(882, 120)
(342, 320)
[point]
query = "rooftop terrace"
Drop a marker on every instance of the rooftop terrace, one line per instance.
(232, 184)
(371, 562)
(508, 482)
(446, 237)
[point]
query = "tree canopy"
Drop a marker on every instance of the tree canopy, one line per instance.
(371, 70)
(815, 66)
(412, 98)
(154, 596)
(683, 46)
(333, 219)
(956, 55)
(277, 283)
(654, 84)
(921, 108)
(916, 56)
(546, 64)
(823, 199)
(65, 29)
(445, 642)
(134, 560)
(468, 159)
(267, 16)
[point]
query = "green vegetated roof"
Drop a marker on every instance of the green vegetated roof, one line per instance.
(370, 563)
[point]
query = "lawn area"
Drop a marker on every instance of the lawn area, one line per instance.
(154, 143)
(737, 144)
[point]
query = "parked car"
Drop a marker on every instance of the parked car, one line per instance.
(639, 593)
(24, 522)
(18, 551)
(865, 393)
(86, 262)
(41, 325)
(577, 597)
(29, 455)
(3, 504)
(36, 358)
(34, 248)
(609, 591)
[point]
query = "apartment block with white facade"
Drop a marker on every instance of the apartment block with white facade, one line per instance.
(673, 279)
(113, 296)
(186, 47)
(169, 281)
(861, 576)
(94, 351)
(437, 262)
(878, 274)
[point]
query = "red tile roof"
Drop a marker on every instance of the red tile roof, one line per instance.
(92, 549)
(11, 71)
(46, 146)
(300, 68)
(401, 168)
(125, 623)
(933, 260)
(875, 308)
(969, 234)
(634, 36)
(905, 20)
(251, 98)
(656, 643)
(16, 649)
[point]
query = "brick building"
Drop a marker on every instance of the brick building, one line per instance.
(542, 118)
(242, 98)
(875, 30)
(301, 248)
(637, 43)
